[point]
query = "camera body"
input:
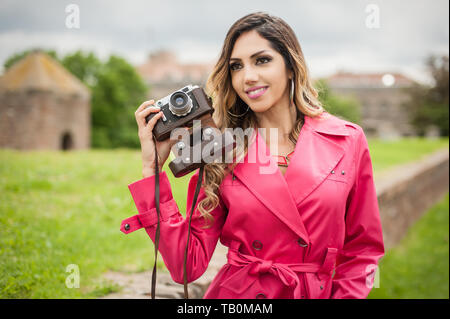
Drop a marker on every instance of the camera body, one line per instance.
(184, 108)
(179, 109)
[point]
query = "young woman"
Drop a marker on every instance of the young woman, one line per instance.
(307, 226)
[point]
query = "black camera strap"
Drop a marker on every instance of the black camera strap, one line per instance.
(157, 234)
(158, 213)
(194, 201)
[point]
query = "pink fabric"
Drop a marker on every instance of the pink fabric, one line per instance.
(286, 233)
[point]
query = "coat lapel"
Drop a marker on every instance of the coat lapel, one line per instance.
(314, 157)
(316, 154)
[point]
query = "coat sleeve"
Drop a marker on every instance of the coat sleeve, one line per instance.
(363, 245)
(174, 227)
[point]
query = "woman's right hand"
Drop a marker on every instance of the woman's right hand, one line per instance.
(146, 139)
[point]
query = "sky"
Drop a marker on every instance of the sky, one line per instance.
(335, 35)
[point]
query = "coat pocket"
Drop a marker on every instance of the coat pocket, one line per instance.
(319, 287)
(338, 177)
(340, 173)
(320, 283)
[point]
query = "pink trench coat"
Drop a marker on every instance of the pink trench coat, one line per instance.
(313, 233)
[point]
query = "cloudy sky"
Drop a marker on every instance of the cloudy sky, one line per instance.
(352, 35)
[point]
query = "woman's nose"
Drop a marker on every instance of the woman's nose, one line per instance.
(250, 75)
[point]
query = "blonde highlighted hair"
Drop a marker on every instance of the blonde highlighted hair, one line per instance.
(225, 100)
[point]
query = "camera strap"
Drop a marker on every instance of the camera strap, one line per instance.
(158, 213)
(157, 234)
(194, 201)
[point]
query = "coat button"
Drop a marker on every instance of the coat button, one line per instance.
(302, 243)
(332, 172)
(127, 227)
(321, 287)
(260, 296)
(257, 245)
(343, 172)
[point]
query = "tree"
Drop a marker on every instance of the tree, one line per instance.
(346, 108)
(429, 105)
(118, 92)
(85, 66)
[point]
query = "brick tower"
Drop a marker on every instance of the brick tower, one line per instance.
(43, 106)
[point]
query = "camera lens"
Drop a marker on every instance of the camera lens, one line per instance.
(179, 101)
(180, 104)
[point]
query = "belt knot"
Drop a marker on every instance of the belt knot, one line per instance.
(261, 267)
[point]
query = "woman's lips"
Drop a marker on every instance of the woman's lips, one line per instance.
(257, 93)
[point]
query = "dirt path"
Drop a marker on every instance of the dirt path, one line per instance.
(138, 285)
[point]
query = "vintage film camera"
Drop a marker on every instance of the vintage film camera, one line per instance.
(184, 108)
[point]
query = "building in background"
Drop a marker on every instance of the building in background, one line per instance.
(43, 106)
(163, 73)
(381, 96)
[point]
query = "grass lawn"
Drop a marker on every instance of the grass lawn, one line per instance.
(418, 267)
(386, 154)
(58, 209)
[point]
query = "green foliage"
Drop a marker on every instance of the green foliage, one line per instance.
(85, 66)
(117, 91)
(429, 106)
(418, 267)
(346, 108)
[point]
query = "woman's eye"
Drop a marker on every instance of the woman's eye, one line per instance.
(263, 60)
(234, 66)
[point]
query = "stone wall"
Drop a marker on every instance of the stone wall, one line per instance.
(406, 192)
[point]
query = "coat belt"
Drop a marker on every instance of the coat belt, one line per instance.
(252, 267)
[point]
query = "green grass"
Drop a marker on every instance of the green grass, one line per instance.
(418, 267)
(65, 208)
(386, 154)
(58, 209)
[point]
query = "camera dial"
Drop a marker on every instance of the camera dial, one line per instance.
(180, 104)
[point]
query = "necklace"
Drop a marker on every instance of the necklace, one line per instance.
(284, 160)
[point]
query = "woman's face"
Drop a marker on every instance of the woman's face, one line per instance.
(258, 73)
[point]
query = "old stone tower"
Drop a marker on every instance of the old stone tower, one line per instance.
(43, 106)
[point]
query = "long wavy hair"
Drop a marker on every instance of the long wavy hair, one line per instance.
(225, 99)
